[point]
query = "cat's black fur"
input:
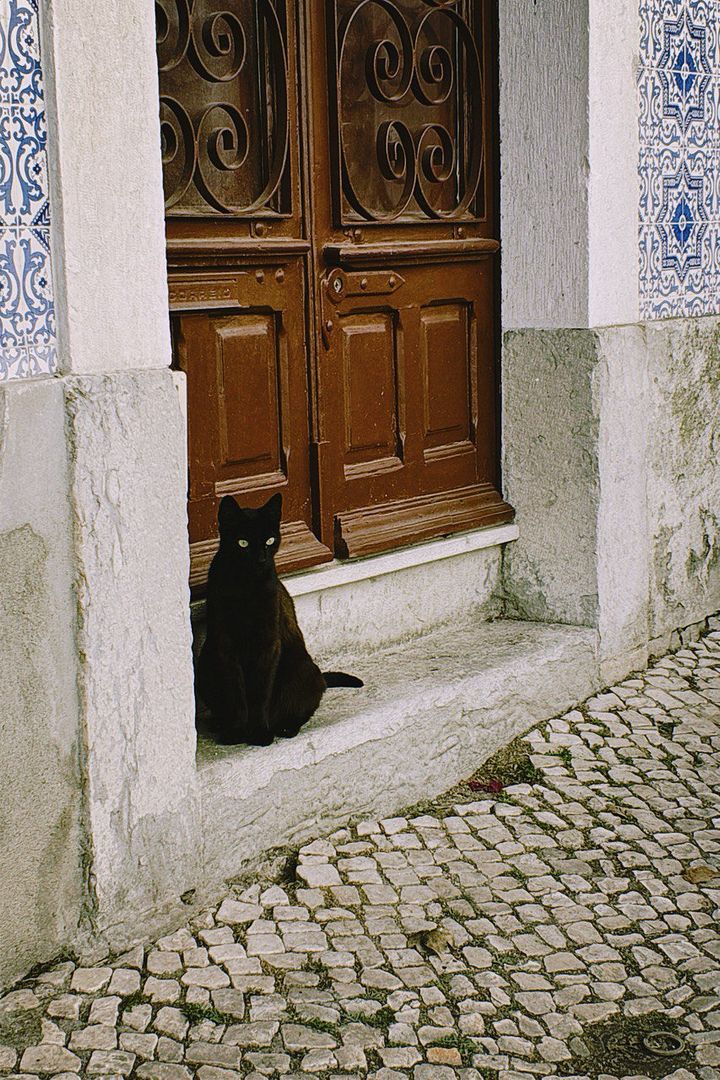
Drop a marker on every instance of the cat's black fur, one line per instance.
(254, 672)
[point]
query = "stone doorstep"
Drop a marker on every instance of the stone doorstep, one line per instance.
(432, 710)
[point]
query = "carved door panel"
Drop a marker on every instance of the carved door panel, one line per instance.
(407, 264)
(247, 405)
(237, 262)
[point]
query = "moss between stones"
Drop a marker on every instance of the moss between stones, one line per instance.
(136, 998)
(21, 1029)
(468, 1047)
(565, 755)
(196, 1014)
(382, 1018)
(508, 766)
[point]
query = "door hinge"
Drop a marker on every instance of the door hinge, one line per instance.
(340, 285)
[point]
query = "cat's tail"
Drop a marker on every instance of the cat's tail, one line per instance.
(339, 678)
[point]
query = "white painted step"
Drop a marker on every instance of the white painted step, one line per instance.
(433, 709)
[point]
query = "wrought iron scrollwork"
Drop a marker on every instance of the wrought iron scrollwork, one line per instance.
(410, 131)
(223, 105)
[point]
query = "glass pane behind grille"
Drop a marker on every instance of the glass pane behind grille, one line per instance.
(223, 106)
(409, 115)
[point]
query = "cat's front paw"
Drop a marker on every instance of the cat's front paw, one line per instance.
(288, 732)
(260, 738)
(230, 738)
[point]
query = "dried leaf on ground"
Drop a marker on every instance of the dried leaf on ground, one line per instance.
(698, 875)
(437, 940)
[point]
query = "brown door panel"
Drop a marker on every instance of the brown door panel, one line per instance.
(248, 403)
(446, 356)
(411, 451)
(421, 517)
(368, 354)
(403, 108)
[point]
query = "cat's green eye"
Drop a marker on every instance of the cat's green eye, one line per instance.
(243, 543)
(270, 541)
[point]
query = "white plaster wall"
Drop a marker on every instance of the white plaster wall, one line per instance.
(127, 469)
(614, 189)
(575, 466)
(683, 476)
(106, 185)
(544, 162)
(569, 163)
(368, 614)
(613, 463)
(623, 404)
(42, 852)
(127, 485)
(551, 475)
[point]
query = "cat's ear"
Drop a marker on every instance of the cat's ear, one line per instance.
(229, 515)
(273, 507)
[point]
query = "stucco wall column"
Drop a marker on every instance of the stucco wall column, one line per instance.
(126, 460)
(577, 382)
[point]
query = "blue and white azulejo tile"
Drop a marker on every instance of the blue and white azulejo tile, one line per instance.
(679, 166)
(27, 312)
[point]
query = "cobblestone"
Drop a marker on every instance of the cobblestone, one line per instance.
(483, 937)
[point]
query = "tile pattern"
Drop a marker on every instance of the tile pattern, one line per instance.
(27, 314)
(679, 89)
(487, 935)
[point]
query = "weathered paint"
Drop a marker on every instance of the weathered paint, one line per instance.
(127, 489)
(684, 472)
(42, 851)
(616, 480)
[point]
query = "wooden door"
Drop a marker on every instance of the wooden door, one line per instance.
(332, 255)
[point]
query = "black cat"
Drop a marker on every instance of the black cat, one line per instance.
(254, 672)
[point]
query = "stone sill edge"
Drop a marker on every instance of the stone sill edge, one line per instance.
(331, 575)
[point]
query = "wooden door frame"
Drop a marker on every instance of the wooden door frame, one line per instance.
(232, 241)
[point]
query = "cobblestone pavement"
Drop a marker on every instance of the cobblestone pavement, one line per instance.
(508, 930)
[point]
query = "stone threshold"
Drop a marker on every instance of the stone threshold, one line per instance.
(393, 596)
(346, 571)
(433, 709)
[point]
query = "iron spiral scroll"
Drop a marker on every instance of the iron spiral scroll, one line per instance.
(410, 130)
(223, 106)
